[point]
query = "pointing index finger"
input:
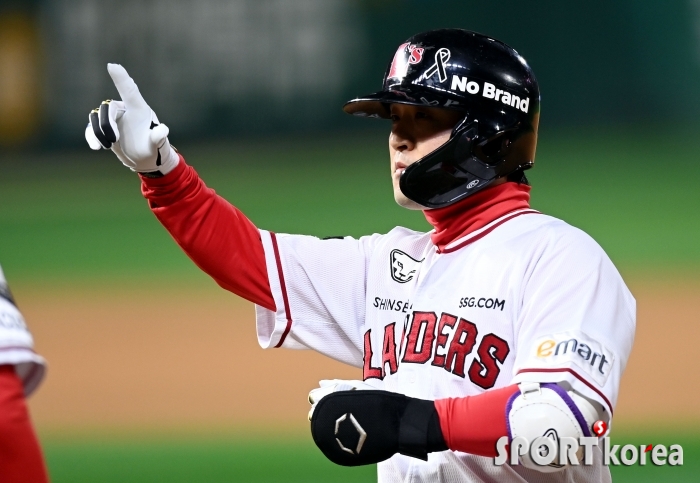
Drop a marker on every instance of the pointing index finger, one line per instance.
(127, 88)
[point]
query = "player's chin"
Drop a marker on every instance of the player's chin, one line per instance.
(404, 202)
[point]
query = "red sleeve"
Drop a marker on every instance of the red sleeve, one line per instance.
(20, 454)
(473, 424)
(213, 233)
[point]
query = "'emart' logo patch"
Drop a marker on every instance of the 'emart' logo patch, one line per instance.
(577, 348)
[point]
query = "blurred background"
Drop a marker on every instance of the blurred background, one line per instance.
(154, 372)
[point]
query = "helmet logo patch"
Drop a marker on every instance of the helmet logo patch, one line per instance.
(441, 57)
(416, 54)
(472, 184)
(406, 54)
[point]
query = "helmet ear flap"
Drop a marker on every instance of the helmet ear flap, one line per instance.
(466, 139)
(496, 148)
(512, 150)
(518, 177)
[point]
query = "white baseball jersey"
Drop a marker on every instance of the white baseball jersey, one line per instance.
(16, 343)
(525, 298)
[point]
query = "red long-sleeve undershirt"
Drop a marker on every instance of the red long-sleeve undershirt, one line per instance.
(473, 424)
(21, 460)
(213, 233)
(227, 246)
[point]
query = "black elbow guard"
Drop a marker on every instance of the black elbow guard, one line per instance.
(355, 428)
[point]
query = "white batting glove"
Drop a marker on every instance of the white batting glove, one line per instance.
(328, 386)
(131, 129)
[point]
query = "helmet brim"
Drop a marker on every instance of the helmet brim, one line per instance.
(376, 104)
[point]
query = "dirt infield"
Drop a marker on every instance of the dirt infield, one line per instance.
(189, 358)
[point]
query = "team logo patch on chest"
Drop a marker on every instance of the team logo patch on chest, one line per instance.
(402, 267)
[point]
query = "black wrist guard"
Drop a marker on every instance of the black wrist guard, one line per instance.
(355, 428)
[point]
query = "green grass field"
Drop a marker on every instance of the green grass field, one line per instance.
(215, 460)
(284, 460)
(78, 217)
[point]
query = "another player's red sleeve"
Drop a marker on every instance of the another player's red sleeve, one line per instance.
(20, 455)
(473, 424)
(214, 234)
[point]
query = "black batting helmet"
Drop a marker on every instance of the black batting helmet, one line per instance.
(480, 76)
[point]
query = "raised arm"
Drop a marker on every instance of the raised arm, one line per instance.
(213, 233)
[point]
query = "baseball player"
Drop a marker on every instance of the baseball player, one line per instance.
(501, 322)
(21, 372)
